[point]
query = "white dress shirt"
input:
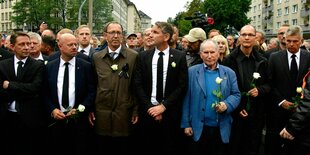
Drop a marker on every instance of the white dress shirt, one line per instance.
(154, 73)
(12, 104)
(60, 80)
(87, 49)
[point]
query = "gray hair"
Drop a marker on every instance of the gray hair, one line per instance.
(294, 30)
(209, 41)
(36, 36)
(275, 41)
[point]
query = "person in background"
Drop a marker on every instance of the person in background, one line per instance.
(195, 37)
(209, 125)
(213, 32)
(131, 41)
(161, 82)
(281, 38)
(223, 47)
(83, 35)
(43, 26)
(140, 40)
(148, 42)
(116, 110)
(184, 43)
(35, 47)
(260, 39)
(273, 43)
(231, 42)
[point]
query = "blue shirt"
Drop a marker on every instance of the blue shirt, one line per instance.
(211, 118)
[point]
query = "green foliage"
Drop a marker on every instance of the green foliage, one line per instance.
(60, 13)
(224, 13)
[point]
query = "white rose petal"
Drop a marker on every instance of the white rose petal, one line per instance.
(114, 67)
(173, 64)
(81, 108)
(218, 80)
(298, 89)
(256, 75)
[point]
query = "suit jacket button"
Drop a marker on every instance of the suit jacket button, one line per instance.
(203, 109)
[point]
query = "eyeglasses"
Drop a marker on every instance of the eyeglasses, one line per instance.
(249, 35)
(115, 32)
(281, 33)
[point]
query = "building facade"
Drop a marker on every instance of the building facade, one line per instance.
(145, 21)
(133, 19)
(269, 15)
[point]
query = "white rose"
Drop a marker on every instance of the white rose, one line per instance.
(81, 108)
(298, 89)
(173, 64)
(256, 75)
(114, 67)
(218, 80)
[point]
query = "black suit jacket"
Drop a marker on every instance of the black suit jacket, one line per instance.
(85, 84)
(4, 54)
(176, 81)
(25, 91)
(282, 85)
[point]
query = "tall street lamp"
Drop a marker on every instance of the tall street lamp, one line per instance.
(80, 10)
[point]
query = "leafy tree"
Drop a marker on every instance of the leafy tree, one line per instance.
(60, 13)
(224, 13)
(227, 12)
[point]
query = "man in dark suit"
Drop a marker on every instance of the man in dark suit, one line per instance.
(160, 104)
(84, 34)
(287, 68)
(63, 108)
(22, 111)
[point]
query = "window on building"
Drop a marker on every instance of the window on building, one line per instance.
(287, 10)
(6, 26)
(258, 17)
(294, 21)
(295, 8)
(2, 6)
(10, 15)
(286, 22)
(254, 9)
(279, 12)
(259, 6)
(6, 16)
(6, 4)
(10, 3)
(2, 28)
(279, 1)
(2, 16)
(278, 25)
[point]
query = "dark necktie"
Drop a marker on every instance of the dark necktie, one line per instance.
(65, 87)
(19, 69)
(294, 69)
(82, 51)
(160, 77)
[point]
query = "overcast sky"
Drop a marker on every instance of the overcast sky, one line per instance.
(160, 10)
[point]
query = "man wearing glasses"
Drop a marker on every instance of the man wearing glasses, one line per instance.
(115, 109)
(248, 118)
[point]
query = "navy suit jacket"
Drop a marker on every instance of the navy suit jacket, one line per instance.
(85, 84)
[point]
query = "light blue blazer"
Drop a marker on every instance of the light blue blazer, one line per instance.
(195, 100)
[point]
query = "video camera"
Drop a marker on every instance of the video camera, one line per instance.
(200, 20)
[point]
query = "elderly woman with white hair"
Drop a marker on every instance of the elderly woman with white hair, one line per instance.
(223, 47)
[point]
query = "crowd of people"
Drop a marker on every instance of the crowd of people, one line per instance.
(154, 92)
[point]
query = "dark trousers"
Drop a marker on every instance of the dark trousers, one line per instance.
(20, 138)
(118, 145)
(210, 143)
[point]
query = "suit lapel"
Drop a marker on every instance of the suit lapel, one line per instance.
(170, 60)
(149, 65)
(284, 61)
(201, 79)
(78, 78)
(54, 76)
(302, 65)
(11, 69)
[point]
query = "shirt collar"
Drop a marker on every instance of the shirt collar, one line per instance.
(289, 54)
(118, 50)
(17, 60)
(207, 68)
(166, 51)
(85, 49)
(71, 62)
